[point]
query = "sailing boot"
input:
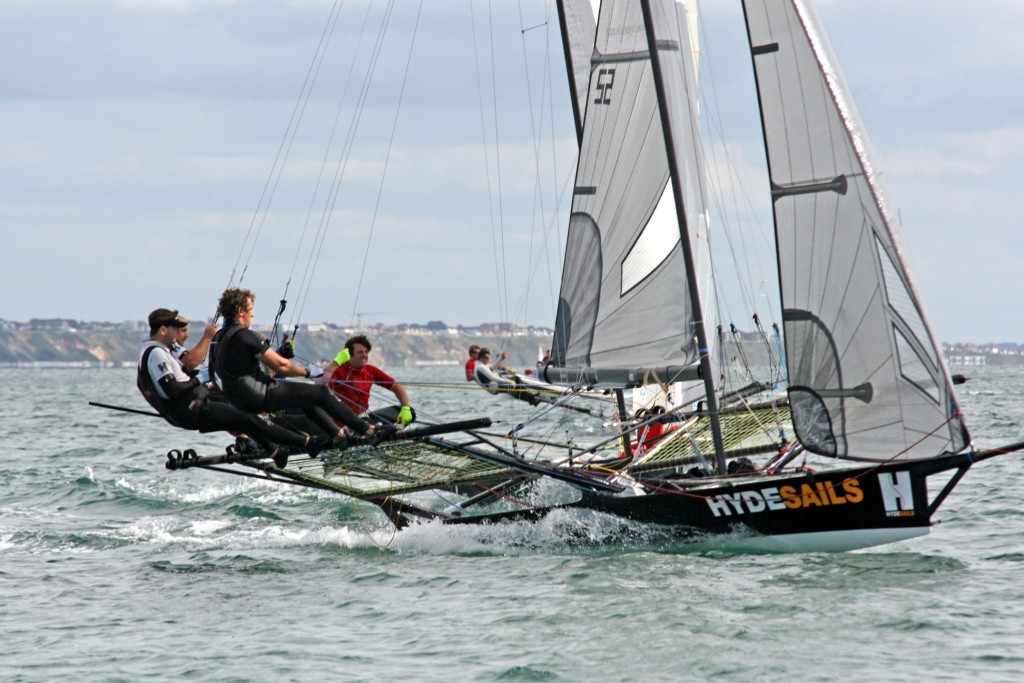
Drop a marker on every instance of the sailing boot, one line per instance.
(316, 443)
(245, 446)
(280, 456)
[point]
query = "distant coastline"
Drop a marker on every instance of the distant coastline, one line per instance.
(113, 346)
(78, 344)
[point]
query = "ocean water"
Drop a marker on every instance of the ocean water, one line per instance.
(114, 569)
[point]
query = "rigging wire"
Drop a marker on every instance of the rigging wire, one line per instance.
(291, 132)
(723, 174)
(277, 168)
(496, 196)
(535, 134)
(306, 277)
(543, 254)
(483, 134)
(714, 119)
(559, 197)
(342, 165)
(302, 236)
(499, 239)
(387, 159)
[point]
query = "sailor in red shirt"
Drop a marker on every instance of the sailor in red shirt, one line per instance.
(474, 351)
(350, 377)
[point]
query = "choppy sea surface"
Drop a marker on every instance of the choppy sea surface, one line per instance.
(113, 568)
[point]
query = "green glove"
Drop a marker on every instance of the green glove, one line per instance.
(405, 415)
(343, 356)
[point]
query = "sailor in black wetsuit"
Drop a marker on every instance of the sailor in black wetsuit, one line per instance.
(184, 401)
(236, 355)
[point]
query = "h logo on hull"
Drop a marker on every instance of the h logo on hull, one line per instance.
(897, 494)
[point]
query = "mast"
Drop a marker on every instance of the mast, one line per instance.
(691, 274)
(570, 71)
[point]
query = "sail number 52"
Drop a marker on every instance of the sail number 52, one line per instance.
(603, 85)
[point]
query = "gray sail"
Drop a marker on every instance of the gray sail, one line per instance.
(867, 379)
(624, 300)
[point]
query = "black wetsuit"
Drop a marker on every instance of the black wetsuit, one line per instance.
(235, 354)
(189, 406)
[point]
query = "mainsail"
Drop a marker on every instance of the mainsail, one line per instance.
(625, 302)
(866, 376)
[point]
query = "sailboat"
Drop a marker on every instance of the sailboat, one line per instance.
(867, 381)
(867, 388)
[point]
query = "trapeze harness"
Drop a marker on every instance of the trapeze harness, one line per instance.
(253, 391)
(249, 389)
(181, 411)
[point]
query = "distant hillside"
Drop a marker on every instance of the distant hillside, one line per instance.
(119, 348)
(68, 347)
(90, 347)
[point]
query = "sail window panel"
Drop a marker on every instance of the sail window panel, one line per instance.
(659, 237)
(813, 423)
(903, 303)
(914, 368)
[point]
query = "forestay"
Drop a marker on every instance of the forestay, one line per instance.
(624, 299)
(866, 376)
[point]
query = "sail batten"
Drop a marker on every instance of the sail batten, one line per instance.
(866, 375)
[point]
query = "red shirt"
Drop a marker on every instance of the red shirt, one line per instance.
(470, 366)
(353, 386)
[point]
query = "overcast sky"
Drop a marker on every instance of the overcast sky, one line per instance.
(137, 136)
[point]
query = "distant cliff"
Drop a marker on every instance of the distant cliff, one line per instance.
(68, 347)
(122, 348)
(118, 347)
